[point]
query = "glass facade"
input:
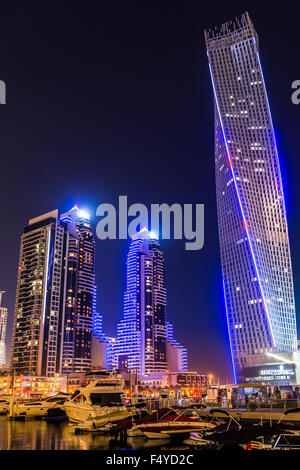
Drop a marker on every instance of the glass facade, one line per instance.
(54, 298)
(80, 293)
(141, 339)
(253, 232)
(3, 325)
(38, 317)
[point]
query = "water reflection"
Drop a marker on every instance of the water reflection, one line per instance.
(42, 435)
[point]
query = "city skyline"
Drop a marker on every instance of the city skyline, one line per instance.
(117, 129)
(57, 328)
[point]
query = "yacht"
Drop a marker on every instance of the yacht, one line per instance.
(99, 402)
(38, 408)
(168, 423)
(4, 404)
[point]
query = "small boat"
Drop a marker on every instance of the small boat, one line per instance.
(93, 428)
(135, 432)
(171, 424)
(38, 408)
(99, 402)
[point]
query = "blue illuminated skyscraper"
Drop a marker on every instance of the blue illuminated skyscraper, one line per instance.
(176, 353)
(80, 292)
(253, 233)
(40, 297)
(145, 339)
(102, 345)
(141, 339)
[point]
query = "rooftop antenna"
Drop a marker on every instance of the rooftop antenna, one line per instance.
(1, 293)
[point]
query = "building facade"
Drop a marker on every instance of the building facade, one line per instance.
(33, 387)
(141, 338)
(80, 293)
(37, 337)
(253, 232)
(176, 353)
(144, 337)
(102, 345)
(3, 325)
(53, 312)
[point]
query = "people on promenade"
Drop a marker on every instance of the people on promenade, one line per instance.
(253, 402)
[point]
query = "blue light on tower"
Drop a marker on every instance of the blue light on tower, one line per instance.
(253, 232)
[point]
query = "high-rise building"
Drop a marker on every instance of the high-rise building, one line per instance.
(102, 345)
(253, 232)
(37, 338)
(141, 338)
(3, 324)
(176, 353)
(145, 341)
(80, 292)
(53, 312)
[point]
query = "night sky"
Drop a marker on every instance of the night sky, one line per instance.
(114, 98)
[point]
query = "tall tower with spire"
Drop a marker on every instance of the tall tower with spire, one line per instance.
(141, 339)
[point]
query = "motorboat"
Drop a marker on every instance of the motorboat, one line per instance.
(38, 408)
(4, 404)
(99, 402)
(170, 424)
(249, 436)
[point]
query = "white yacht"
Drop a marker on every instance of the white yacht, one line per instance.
(99, 402)
(38, 408)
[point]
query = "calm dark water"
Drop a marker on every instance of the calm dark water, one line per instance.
(42, 435)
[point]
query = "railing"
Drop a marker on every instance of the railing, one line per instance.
(270, 404)
(282, 404)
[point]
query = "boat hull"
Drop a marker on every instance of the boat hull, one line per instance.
(172, 429)
(30, 411)
(99, 415)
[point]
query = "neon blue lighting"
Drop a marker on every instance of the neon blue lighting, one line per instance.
(81, 214)
(148, 234)
(231, 350)
(153, 235)
(240, 204)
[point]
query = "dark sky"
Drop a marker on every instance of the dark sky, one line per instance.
(114, 98)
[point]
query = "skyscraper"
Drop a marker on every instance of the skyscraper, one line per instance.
(80, 288)
(3, 323)
(141, 339)
(102, 345)
(253, 233)
(53, 312)
(37, 338)
(176, 353)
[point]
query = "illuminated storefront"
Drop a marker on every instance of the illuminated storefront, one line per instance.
(29, 386)
(276, 374)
